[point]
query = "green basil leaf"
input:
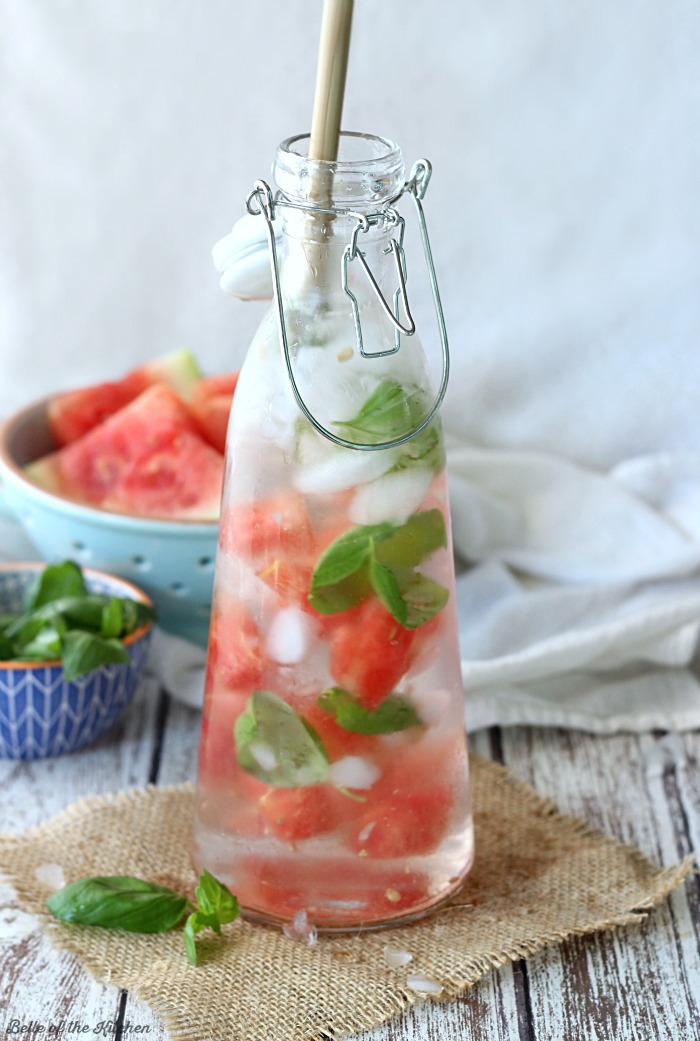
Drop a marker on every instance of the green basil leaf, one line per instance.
(340, 580)
(393, 714)
(423, 597)
(274, 744)
(112, 620)
(426, 449)
(190, 931)
(118, 902)
(54, 582)
(343, 595)
(392, 411)
(46, 645)
(216, 900)
(347, 554)
(7, 648)
(389, 412)
(413, 542)
(83, 652)
(386, 587)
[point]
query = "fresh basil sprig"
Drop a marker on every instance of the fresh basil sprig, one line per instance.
(123, 902)
(382, 558)
(63, 620)
(393, 714)
(217, 906)
(118, 902)
(274, 743)
(391, 411)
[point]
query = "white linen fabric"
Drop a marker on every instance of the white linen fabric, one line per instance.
(564, 221)
(582, 606)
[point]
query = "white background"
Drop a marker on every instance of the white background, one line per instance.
(563, 209)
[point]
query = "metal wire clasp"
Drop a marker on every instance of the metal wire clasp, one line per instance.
(261, 201)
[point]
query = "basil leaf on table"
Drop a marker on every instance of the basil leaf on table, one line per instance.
(194, 924)
(274, 744)
(216, 900)
(123, 902)
(391, 715)
(118, 902)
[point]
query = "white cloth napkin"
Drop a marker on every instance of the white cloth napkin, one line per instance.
(581, 606)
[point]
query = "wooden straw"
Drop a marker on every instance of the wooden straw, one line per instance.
(330, 79)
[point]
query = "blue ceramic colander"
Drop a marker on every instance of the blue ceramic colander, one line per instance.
(171, 561)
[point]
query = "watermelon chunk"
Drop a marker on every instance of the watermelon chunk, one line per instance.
(210, 404)
(147, 460)
(73, 414)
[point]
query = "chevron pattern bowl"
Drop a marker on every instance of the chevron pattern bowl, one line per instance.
(41, 713)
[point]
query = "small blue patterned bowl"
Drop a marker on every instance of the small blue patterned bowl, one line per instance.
(41, 713)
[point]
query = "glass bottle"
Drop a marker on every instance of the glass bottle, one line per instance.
(333, 773)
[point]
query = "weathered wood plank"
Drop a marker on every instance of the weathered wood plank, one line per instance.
(636, 982)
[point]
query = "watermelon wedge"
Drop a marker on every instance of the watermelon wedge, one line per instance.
(210, 404)
(73, 414)
(147, 460)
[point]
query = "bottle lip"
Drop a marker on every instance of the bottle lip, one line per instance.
(369, 169)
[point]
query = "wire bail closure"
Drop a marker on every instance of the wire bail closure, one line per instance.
(261, 202)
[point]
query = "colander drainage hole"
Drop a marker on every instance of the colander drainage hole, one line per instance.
(141, 563)
(81, 549)
(205, 563)
(178, 588)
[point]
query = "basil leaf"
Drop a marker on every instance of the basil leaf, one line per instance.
(194, 924)
(112, 620)
(118, 902)
(393, 714)
(55, 581)
(426, 449)
(412, 542)
(83, 652)
(215, 899)
(45, 646)
(341, 596)
(274, 744)
(7, 648)
(386, 587)
(423, 598)
(347, 554)
(388, 412)
(392, 411)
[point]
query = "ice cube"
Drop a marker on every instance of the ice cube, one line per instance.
(354, 772)
(263, 755)
(339, 469)
(288, 636)
(395, 958)
(50, 875)
(301, 929)
(395, 496)
(423, 984)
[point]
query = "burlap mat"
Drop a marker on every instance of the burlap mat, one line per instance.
(539, 877)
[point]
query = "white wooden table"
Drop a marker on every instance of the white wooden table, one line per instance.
(638, 983)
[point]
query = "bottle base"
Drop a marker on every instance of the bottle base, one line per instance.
(328, 926)
(338, 893)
